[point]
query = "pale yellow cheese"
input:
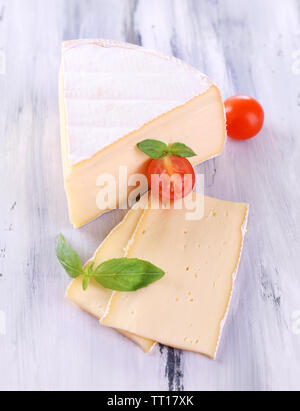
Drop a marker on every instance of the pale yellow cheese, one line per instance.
(101, 93)
(187, 308)
(95, 299)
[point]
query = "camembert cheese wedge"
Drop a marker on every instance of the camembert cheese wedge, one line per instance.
(112, 96)
(95, 299)
(187, 308)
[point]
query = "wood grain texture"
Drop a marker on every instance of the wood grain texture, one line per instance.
(246, 47)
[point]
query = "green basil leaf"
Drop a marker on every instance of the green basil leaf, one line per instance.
(68, 258)
(181, 150)
(127, 274)
(153, 148)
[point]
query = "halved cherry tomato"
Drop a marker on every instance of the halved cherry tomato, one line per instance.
(171, 177)
(245, 117)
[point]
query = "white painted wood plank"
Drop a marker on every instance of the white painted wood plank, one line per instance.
(245, 47)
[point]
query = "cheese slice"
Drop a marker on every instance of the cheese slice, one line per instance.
(187, 308)
(113, 95)
(95, 299)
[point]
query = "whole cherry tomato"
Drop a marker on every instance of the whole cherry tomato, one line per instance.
(245, 117)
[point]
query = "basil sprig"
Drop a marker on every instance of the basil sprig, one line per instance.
(157, 149)
(119, 274)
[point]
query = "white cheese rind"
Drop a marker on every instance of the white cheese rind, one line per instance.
(112, 89)
(234, 279)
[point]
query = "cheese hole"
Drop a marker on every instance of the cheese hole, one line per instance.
(187, 268)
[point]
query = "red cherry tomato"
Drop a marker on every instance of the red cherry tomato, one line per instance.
(171, 178)
(245, 117)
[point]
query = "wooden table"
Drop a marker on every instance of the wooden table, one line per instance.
(246, 47)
